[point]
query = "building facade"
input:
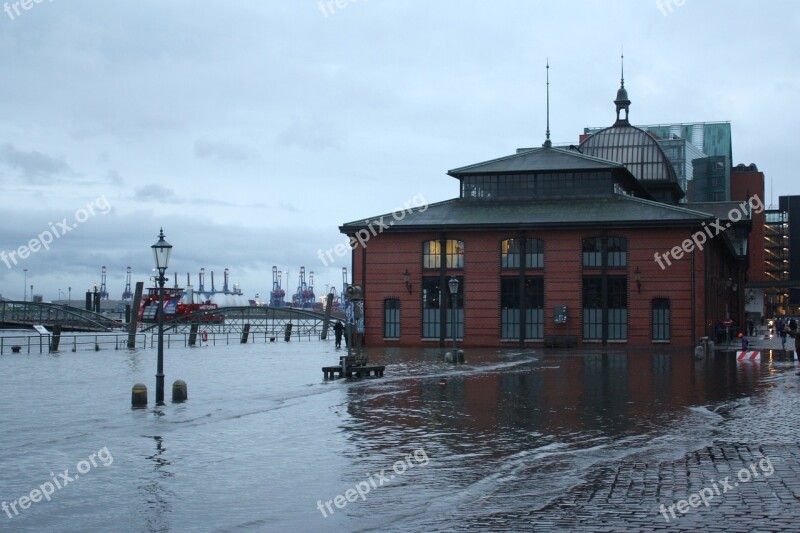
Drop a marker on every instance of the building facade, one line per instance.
(588, 244)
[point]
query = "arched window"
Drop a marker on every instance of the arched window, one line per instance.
(614, 249)
(432, 254)
(511, 253)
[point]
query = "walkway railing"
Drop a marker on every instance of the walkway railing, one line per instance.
(41, 344)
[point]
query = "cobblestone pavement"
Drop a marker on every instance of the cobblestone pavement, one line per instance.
(749, 478)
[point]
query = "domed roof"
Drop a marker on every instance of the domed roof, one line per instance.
(634, 148)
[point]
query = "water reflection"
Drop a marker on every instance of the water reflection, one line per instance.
(493, 428)
(157, 494)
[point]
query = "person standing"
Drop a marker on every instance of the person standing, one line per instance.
(338, 330)
(780, 328)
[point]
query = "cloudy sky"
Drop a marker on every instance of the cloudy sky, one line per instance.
(250, 130)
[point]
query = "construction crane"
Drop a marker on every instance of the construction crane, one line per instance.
(225, 289)
(103, 288)
(277, 294)
(127, 294)
(304, 297)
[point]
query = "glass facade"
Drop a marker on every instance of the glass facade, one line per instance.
(552, 184)
(634, 148)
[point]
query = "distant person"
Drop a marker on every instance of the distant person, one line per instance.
(752, 327)
(793, 334)
(745, 341)
(780, 328)
(338, 330)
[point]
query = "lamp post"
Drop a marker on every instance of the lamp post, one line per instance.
(161, 251)
(453, 283)
(25, 286)
(69, 301)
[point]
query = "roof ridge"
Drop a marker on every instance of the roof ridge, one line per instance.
(577, 154)
(662, 204)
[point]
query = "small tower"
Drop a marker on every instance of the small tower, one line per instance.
(622, 102)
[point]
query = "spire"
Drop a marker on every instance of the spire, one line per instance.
(622, 102)
(547, 143)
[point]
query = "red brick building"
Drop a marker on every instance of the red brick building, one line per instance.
(585, 243)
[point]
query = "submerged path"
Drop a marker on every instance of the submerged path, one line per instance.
(748, 480)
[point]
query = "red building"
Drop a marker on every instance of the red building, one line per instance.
(586, 244)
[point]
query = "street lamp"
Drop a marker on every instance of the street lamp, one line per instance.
(25, 286)
(453, 283)
(161, 251)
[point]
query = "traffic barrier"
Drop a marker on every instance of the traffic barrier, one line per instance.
(748, 355)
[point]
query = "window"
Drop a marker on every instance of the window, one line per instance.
(511, 308)
(511, 250)
(434, 298)
(432, 256)
(615, 250)
(660, 319)
(391, 318)
(615, 305)
(592, 254)
(431, 301)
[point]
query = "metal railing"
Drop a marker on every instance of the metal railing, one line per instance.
(43, 343)
(118, 341)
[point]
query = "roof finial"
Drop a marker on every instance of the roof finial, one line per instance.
(622, 101)
(547, 143)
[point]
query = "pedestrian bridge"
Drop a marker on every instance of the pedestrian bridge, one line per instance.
(26, 314)
(260, 319)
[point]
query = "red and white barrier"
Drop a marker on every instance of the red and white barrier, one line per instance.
(748, 355)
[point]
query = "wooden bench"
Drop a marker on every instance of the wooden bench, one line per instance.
(560, 341)
(359, 371)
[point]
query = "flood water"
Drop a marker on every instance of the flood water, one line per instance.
(265, 444)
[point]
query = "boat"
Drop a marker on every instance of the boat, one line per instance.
(178, 303)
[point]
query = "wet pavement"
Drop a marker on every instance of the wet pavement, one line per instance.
(747, 481)
(511, 440)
